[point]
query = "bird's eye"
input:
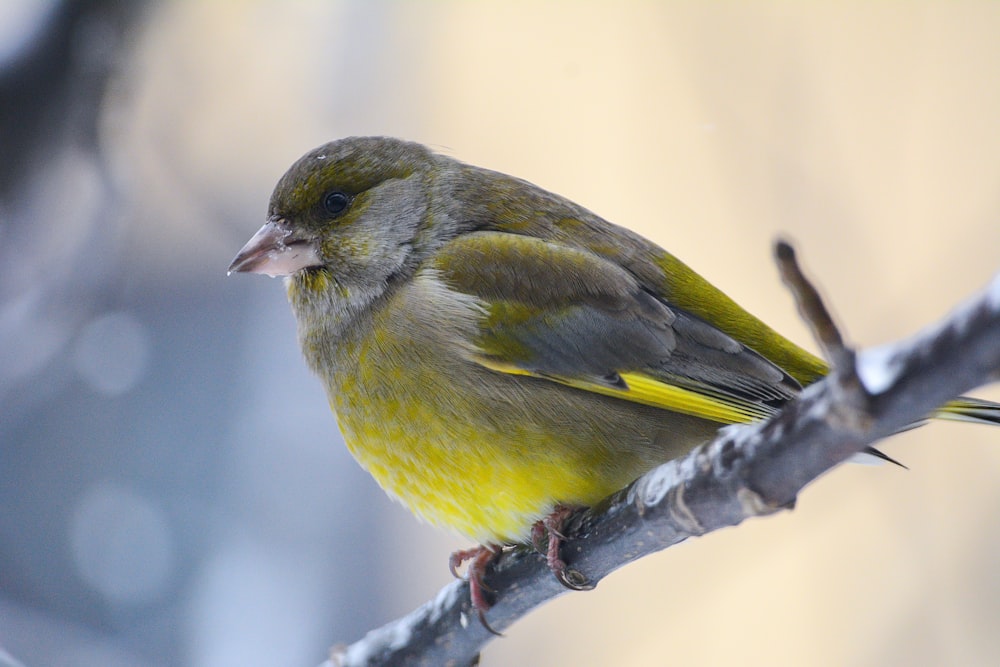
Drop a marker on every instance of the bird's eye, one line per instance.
(335, 202)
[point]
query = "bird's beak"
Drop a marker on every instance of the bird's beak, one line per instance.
(275, 251)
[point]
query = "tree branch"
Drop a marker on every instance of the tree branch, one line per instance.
(746, 471)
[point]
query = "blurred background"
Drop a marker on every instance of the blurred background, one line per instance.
(173, 489)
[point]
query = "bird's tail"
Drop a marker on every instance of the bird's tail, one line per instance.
(962, 409)
(968, 409)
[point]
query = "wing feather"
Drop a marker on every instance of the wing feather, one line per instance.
(566, 315)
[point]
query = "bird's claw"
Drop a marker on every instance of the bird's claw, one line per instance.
(479, 559)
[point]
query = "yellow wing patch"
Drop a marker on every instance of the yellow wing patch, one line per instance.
(641, 388)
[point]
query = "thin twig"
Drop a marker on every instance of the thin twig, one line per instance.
(842, 358)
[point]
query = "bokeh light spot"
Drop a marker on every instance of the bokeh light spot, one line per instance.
(112, 353)
(121, 544)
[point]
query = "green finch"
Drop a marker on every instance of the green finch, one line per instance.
(496, 353)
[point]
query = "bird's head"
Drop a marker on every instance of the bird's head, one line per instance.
(351, 210)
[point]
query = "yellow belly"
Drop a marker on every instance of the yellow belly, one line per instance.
(464, 474)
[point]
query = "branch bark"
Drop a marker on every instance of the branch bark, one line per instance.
(746, 471)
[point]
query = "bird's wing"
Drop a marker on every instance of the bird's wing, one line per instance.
(569, 316)
(494, 202)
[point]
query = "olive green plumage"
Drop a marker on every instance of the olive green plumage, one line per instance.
(491, 349)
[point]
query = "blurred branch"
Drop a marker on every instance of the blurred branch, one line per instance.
(53, 90)
(747, 471)
(60, 212)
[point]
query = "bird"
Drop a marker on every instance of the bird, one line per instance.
(497, 355)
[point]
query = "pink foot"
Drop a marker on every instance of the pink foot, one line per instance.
(479, 558)
(552, 526)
